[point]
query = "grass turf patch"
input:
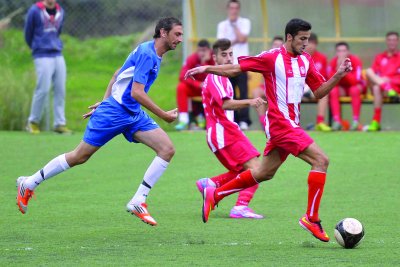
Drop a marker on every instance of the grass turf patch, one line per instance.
(78, 217)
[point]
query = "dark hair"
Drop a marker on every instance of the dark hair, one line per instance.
(203, 43)
(222, 44)
(392, 33)
(167, 24)
(342, 43)
(295, 25)
(233, 1)
(277, 38)
(313, 38)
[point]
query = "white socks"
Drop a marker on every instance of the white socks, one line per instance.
(184, 117)
(54, 167)
(153, 173)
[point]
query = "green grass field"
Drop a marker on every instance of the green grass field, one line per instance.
(79, 218)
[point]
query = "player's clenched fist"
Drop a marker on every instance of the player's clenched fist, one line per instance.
(345, 67)
(171, 115)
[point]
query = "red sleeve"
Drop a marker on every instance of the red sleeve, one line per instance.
(375, 65)
(191, 62)
(262, 63)
(314, 78)
(354, 77)
(324, 68)
(217, 86)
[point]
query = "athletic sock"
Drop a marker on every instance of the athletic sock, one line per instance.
(316, 182)
(355, 102)
(245, 196)
(222, 179)
(184, 117)
(242, 181)
(153, 173)
(377, 115)
(320, 119)
(54, 167)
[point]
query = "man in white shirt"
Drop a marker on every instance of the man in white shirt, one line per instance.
(237, 30)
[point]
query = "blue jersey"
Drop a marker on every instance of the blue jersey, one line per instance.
(141, 66)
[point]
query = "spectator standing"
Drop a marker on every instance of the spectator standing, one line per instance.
(192, 87)
(237, 30)
(42, 33)
(384, 75)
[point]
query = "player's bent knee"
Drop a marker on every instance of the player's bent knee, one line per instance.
(167, 152)
(323, 162)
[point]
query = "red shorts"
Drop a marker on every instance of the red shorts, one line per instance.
(294, 141)
(235, 155)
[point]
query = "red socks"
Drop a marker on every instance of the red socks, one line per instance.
(377, 115)
(246, 196)
(222, 179)
(355, 94)
(242, 181)
(320, 119)
(334, 103)
(316, 182)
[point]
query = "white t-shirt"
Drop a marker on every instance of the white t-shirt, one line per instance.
(225, 30)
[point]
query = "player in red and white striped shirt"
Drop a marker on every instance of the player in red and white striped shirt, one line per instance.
(286, 71)
(224, 137)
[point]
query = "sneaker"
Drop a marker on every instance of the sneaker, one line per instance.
(203, 183)
(181, 126)
(323, 127)
(62, 129)
(336, 126)
(355, 126)
(24, 194)
(244, 126)
(392, 93)
(201, 122)
(244, 212)
(373, 127)
(208, 202)
(315, 228)
(33, 128)
(141, 212)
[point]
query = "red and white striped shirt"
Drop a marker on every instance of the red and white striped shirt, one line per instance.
(221, 128)
(285, 77)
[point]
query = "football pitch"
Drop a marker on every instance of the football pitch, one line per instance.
(78, 218)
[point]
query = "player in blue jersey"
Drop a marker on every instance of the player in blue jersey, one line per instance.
(121, 112)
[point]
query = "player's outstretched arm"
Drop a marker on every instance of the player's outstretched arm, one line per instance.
(228, 70)
(138, 93)
(326, 87)
(233, 104)
(106, 95)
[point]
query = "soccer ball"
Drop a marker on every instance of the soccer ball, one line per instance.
(349, 232)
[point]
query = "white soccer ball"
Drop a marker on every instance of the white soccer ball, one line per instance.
(349, 232)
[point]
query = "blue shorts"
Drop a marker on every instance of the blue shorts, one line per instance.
(111, 119)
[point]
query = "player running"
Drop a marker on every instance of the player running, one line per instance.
(120, 112)
(224, 137)
(286, 70)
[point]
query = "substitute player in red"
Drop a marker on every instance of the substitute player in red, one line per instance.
(321, 64)
(285, 71)
(224, 137)
(385, 77)
(352, 85)
(190, 88)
